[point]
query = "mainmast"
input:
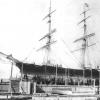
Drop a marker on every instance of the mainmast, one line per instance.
(48, 35)
(85, 55)
(84, 38)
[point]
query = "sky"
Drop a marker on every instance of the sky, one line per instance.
(21, 27)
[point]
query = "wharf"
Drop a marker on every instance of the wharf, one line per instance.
(15, 97)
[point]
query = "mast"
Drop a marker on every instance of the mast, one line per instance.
(48, 36)
(85, 56)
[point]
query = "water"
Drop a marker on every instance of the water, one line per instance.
(66, 98)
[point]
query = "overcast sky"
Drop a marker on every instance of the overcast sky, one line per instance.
(21, 26)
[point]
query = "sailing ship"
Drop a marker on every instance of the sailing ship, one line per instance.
(56, 79)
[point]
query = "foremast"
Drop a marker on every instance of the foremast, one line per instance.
(48, 36)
